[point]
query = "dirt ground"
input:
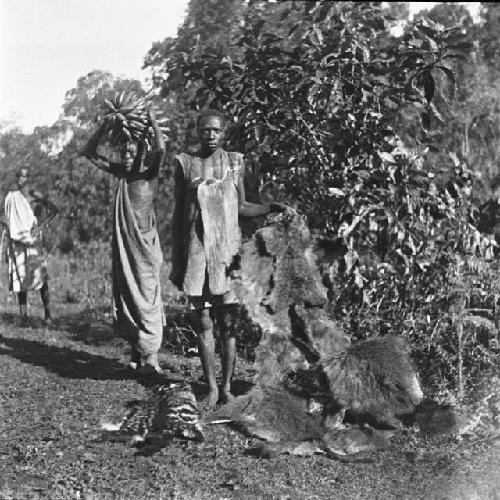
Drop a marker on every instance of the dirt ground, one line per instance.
(59, 383)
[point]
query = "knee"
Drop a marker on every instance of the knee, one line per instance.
(23, 298)
(227, 319)
(205, 323)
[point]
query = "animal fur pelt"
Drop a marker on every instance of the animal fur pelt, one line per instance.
(218, 200)
(170, 412)
(308, 373)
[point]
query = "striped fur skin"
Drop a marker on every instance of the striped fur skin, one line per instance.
(171, 412)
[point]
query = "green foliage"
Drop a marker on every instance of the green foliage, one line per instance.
(320, 115)
(470, 117)
(82, 193)
(352, 124)
(490, 27)
(83, 103)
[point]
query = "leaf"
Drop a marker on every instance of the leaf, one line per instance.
(454, 158)
(436, 112)
(451, 78)
(416, 43)
(358, 279)
(386, 157)
(427, 30)
(432, 44)
(480, 321)
(429, 85)
(425, 120)
(455, 55)
(336, 191)
(461, 46)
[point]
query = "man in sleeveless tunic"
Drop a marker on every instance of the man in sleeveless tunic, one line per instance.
(27, 267)
(136, 252)
(209, 196)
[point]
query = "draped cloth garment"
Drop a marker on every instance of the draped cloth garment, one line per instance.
(210, 232)
(27, 268)
(137, 257)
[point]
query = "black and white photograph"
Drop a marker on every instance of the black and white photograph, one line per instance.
(249, 249)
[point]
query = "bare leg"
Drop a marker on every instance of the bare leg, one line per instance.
(23, 300)
(135, 357)
(228, 349)
(206, 345)
(44, 293)
(151, 363)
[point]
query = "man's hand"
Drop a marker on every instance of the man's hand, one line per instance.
(178, 282)
(36, 195)
(195, 183)
(279, 207)
(89, 150)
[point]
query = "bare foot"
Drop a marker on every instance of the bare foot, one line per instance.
(148, 369)
(226, 396)
(151, 365)
(210, 401)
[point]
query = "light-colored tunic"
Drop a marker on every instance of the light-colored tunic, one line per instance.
(210, 231)
(27, 268)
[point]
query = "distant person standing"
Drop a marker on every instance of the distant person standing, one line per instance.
(27, 267)
(136, 253)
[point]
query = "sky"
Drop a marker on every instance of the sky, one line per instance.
(46, 45)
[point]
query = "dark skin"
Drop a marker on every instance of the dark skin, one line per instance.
(36, 200)
(141, 178)
(142, 181)
(131, 163)
(211, 134)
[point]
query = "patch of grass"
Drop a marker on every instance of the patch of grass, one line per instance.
(59, 383)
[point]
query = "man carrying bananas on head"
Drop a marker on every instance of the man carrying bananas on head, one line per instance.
(136, 253)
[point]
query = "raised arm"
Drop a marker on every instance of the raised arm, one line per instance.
(159, 149)
(247, 209)
(90, 150)
(178, 236)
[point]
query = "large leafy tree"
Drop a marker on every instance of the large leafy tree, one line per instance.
(86, 191)
(318, 106)
(82, 192)
(490, 29)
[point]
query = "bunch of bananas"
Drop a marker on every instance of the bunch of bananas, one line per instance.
(127, 119)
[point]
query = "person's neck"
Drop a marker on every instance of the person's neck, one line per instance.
(205, 153)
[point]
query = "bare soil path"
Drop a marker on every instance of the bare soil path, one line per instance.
(57, 384)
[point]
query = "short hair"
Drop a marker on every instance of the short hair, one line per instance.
(210, 113)
(20, 169)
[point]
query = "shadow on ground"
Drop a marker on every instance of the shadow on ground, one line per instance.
(83, 326)
(73, 364)
(76, 364)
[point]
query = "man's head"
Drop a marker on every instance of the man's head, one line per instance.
(22, 177)
(128, 154)
(211, 126)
